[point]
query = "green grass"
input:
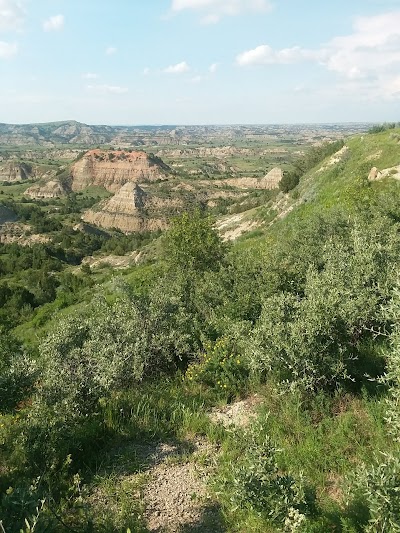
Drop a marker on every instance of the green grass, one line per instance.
(95, 191)
(323, 438)
(14, 191)
(323, 442)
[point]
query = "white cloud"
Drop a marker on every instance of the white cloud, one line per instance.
(7, 50)
(107, 89)
(12, 15)
(213, 68)
(391, 88)
(265, 55)
(111, 50)
(146, 71)
(90, 76)
(300, 88)
(179, 68)
(367, 60)
(211, 11)
(373, 47)
(55, 23)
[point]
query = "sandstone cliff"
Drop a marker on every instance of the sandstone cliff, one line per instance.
(51, 189)
(268, 182)
(130, 210)
(12, 171)
(113, 169)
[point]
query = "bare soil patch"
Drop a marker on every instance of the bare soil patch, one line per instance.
(238, 414)
(176, 497)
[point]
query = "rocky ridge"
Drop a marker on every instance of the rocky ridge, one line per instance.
(269, 182)
(113, 169)
(51, 189)
(12, 171)
(392, 172)
(131, 209)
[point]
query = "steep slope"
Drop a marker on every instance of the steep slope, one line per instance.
(131, 209)
(112, 169)
(12, 171)
(51, 189)
(362, 173)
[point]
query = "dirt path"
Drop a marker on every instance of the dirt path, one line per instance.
(166, 485)
(176, 497)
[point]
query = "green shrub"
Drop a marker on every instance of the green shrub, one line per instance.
(374, 495)
(392, 376)
(253, 480)
(192, 244)
(17, 373)
(315, 340)
(89, 356)
(220, 367)
(289, 181)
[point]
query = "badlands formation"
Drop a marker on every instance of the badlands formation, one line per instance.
(146, 191)
(131, 209)
(113, 169)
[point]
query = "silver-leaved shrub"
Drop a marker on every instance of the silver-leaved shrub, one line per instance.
(18, 372)
(255, 481)
(312, 339)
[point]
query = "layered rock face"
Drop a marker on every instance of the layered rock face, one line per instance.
(113, 169)
(51, 189)
(12, 171)
(269, 182)
(272, 179)
(126, 209)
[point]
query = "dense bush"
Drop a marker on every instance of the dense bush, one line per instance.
(220, 367)
(289, 181)
(86, 358)
(379, 128)
(392, 377)
(17, 373)
(255, 481)
(192, 244)
(374, 494)
(315, 339)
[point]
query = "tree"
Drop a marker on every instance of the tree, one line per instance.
(193, 244)
(289, 181)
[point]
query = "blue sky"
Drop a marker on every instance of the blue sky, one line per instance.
(199, 61)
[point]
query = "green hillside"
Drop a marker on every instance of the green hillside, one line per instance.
(255, 382)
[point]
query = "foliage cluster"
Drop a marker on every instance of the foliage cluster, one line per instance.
(309, 316)
(253, 480)
(220, 367)
(379, 128)
(315, 155)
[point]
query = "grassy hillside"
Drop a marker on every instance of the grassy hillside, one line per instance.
(238, 387)
(336, 182)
